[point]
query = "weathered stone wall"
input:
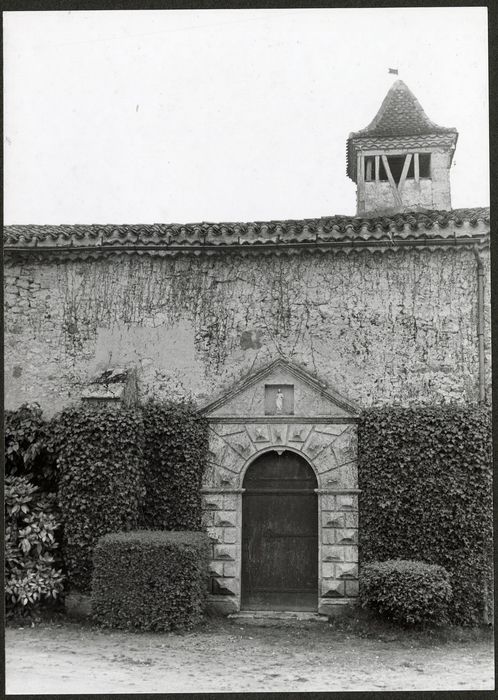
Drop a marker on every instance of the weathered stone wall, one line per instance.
(430, 193)
(379, 328)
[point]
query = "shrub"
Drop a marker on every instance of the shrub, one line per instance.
(27, 447)
(150, 580)
(31, 522)
(407, 592)
(177, 448)
(425, 476)
(100, 464)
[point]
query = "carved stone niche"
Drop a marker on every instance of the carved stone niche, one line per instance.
(282, 407)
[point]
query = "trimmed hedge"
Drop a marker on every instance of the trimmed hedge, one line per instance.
(407, 592)
(100, 462)
(150, 580)
(176, 440)
(425, 476)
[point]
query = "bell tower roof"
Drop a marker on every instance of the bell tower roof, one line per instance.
(401, 114)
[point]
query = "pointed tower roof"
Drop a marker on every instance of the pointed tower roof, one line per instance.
(400, 117)
(401, 114)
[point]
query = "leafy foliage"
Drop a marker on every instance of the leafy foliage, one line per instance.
(27, 446)
(31, 522)
(425, 476)
(150, 580)
(100, 462)
(177, 446)
(407, 592)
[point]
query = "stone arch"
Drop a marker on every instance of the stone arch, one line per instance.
(277, 448)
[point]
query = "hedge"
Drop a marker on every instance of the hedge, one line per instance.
(100, 461)
(407, 592)
(150, 580)
(425, 476)
(176, 440)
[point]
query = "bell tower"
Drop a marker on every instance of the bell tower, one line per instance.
(401, 160)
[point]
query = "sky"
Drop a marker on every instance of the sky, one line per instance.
(224, 115)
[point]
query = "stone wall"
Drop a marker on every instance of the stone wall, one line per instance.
(429, 193)
(381, 328)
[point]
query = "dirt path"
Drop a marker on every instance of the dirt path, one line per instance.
(235, 656)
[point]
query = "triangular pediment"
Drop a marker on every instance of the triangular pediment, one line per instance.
(281, 389)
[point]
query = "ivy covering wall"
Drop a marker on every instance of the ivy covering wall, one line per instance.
(425, 476)
(122, 468)
(176, 447)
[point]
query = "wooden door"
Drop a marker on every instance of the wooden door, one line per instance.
(279, 534)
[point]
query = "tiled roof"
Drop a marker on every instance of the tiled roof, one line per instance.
(176, 238)
(401, 114)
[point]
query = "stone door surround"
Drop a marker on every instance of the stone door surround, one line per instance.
(326, 440)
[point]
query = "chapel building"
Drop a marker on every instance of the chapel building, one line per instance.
(281, 331)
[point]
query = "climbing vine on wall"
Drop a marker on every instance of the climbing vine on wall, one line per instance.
(122, 468)
(176, 440)
(100, 460)
(425, 476)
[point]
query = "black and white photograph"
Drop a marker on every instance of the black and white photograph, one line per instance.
(247, 351)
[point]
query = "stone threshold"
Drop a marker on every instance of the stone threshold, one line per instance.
(291, 615)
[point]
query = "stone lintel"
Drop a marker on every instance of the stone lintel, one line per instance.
(325, 491)
(319, 420)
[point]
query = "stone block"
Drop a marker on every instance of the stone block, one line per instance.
(228, 586)
(222, 605)
(331, 519)
(332, 553)
(325, 461)
(328, 570)
(230, 569)
(231, 501)
(225, 518)
(225, 552)
(212, 501)
(352, 588)
(260, 434)
(298, 433)
(327, 501)
(347, 501)
(208, 518)
(215, 568)
(278, 434)
(350, 520)
(230, 535)
(328, 536)
(215, 533)
(347, 536)
(331, 588)
(334, 608)
(346, 571)
(350, 554)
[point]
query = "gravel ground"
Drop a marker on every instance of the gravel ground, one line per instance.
(237, 656)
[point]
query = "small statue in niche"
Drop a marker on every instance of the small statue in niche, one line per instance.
(279, 401)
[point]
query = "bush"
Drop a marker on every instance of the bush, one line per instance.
(100, 464)
(408, 592)
(27, 447)
(177, 448)
(425, 476)
(31, 522)
(150, 580)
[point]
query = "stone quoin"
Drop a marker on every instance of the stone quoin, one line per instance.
(281, 331)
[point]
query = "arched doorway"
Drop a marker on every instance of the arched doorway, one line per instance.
(279, 534)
